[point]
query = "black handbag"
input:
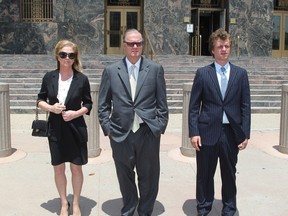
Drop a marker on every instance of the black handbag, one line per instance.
(40, 127)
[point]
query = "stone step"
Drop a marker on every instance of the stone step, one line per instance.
(254, 103)
(32, 82)
(262, 92)
(250, 71)
(97, 78)
(172, 110)
(24, 72)
(265, 110)
(266, 86)
(20, 91)
(256, 97)
(254, 110)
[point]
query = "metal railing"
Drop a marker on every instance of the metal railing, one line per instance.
(196, 45)
(148, 48)
(36, 11)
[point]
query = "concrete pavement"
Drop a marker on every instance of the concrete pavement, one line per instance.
(27, 186)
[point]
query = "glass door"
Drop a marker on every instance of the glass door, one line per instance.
(205, 21)
(118, 21)
(280, 35)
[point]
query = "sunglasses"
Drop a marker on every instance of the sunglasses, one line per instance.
(63, 55)
(132, 44)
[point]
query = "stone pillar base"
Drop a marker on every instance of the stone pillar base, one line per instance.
(188, 152)
(94, 152)
(7, 152)
(283, 142)
(282, 149)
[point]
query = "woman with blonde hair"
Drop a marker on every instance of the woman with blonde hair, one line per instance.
(65, 94)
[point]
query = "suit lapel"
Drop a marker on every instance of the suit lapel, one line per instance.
(214, 79)
(54, 81)
(233, 75)
(143, 72)
(124, 75)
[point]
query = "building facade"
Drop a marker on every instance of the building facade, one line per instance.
(180, 27)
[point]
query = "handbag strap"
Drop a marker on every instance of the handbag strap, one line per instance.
(37, 113)
(36, 117)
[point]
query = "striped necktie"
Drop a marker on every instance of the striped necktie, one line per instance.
(224, 81)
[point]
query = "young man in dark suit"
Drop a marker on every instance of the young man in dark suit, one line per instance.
(219, 123)
(133, 112)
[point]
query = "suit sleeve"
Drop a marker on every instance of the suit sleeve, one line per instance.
(194, 105)
(162, 107)
(43, 93)
(246, 106)
(104, 102)
(86, 97)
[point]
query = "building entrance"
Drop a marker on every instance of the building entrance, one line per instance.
(280, 34)
(120, 16)
(205, 21)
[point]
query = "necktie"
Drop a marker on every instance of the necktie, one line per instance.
(224, 81)
(133, 84)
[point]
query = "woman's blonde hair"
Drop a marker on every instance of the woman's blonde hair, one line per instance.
(77, 65)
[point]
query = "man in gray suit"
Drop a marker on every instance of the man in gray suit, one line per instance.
(133, 112)
(219, 123)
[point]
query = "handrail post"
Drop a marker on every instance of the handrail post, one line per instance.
(238, 46)
(200, 45)
(5, 125)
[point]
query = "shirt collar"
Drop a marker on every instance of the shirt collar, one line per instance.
(218, 66)
(137, 64)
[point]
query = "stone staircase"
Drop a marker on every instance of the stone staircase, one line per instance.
(24, 74)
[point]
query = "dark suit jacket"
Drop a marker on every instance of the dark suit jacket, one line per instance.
(78, 96)
(206, 105)
(116, 108)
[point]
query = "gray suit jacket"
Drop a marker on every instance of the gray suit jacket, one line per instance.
(206, 105)
(116, 108)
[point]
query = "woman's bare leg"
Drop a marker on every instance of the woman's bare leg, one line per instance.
(77, 182)
(61, 184)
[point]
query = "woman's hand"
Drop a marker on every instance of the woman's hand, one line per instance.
(57, 108)
(68, 115)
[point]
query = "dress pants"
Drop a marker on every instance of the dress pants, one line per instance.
(226, 150)
(140, 150)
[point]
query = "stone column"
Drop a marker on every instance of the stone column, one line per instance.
(5, 128)
(92, 122)
(283, 144)
(186, 148)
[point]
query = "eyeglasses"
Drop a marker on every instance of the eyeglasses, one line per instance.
(132, 44)
(63, 55)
